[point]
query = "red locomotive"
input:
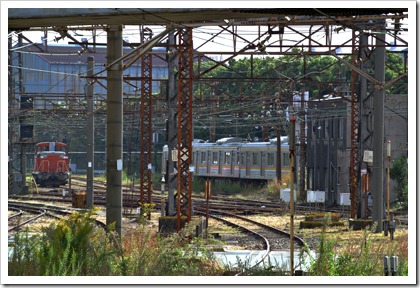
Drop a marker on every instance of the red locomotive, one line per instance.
(51, 166)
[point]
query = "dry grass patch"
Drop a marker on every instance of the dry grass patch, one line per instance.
(345, 239)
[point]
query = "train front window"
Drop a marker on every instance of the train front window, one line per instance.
(44, 154)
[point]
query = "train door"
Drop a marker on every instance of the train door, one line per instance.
(270, 170)
(221, 161)
(227, 163)
(233, 164)
(195, 162)
(263, 164)
(248, 164)
(208, 161)
(215, 162)
(242, 166)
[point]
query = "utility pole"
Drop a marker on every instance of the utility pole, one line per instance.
(90, 124)
(302, 146)
(172, 122)
(388, 154)
(292, 200)
(114, 129)
(378, 124)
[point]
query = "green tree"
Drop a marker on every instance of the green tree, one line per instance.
(399, 173)
(395, 67)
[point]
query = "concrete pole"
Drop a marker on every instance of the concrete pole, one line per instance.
(388, 183)
(292, 142)
(11, 102)
(172, 123)
(90, 133)
(378, 133)
(114, 129)
(302, 147)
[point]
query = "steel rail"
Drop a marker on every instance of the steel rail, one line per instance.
(264, 239)
(264, 226)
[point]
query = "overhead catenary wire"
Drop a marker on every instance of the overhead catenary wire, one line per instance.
(220, 111)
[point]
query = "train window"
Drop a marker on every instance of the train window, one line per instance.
(203, 157)
(255, 159)
(227, 158)
(270, 159)
(242, 159)
(215, 158)
(286, 160)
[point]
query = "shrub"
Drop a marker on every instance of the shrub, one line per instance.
(357, 260)
(76, 246)
(399, 173)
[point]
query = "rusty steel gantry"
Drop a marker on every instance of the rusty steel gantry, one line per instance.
(184, 118)
(269, 17)
(146, 126)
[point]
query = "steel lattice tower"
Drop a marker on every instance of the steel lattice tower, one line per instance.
(185, 135)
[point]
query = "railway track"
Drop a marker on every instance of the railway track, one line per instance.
(41, 210)
(262, 237)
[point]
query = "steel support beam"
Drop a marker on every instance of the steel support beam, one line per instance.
(354, 135)
(146, 128)
(185, 134)
(366, 118)
(114, 129)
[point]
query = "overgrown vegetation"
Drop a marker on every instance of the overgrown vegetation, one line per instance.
(75, 246)
(273, 186)
(360, 257)
(69, 247)
(399, 173)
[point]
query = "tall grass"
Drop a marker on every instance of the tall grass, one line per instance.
(361, 257)
(71, 246)
(76, 246)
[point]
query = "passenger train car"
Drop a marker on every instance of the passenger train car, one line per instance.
(51, 165)
(236, 159)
